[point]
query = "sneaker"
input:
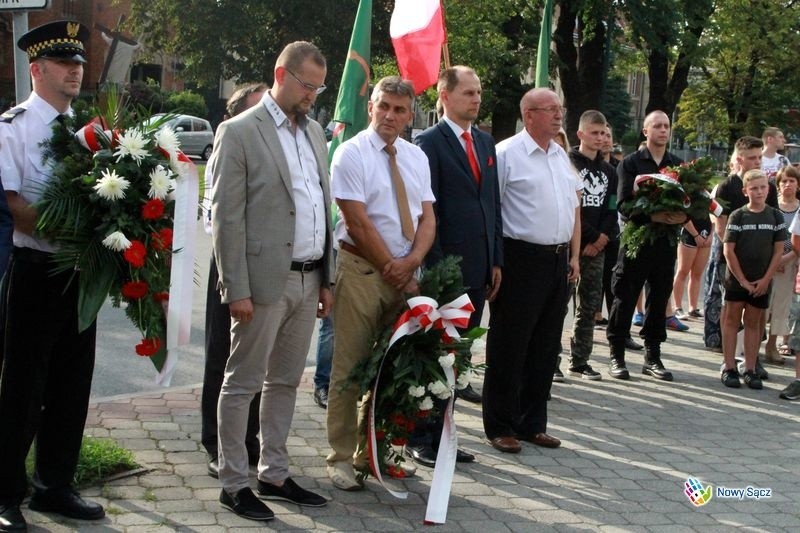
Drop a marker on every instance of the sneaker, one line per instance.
(290, 492)
(752, 380)
(792, 391)
(638, 319)
(585, 372)
(343, 476)
(558, 376)
(695, 313)
(730, 378)
(676, 325)
(681, 314)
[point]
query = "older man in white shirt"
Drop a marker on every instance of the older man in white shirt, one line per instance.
(539, 194)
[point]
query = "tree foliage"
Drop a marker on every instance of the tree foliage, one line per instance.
(749, 77)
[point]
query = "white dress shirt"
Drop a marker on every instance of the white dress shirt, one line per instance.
(309, 230)
(360, 172)
(21, 166)
(538, 190)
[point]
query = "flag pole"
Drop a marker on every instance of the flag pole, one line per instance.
(445, 48)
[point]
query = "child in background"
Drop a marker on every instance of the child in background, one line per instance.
(753, 248)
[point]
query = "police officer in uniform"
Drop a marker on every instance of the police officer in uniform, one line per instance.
(47, 363)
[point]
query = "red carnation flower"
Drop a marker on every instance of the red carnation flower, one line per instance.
(153, 209)
(148, 347)
(399, 441)
(380, 434)
(396, 472)
(398, 419)
(162, 240)
(161, 296)
(134, 290)
(423, 413)
(135, 255)
(410, 425)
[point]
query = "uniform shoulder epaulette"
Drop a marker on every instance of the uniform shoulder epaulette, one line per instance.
(9, 115)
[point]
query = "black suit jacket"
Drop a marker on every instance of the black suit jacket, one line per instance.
(468, 220)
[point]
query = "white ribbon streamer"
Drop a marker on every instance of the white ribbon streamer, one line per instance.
(439, 496)
(179, 315)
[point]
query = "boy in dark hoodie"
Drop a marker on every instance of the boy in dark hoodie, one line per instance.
(598, 225)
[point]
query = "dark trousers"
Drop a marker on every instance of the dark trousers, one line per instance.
(612, 254)
(218, 349)
(654, 264)
(524, 339)
(46, 376)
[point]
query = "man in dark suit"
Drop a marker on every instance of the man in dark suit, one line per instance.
(468, 223)
(272, 244)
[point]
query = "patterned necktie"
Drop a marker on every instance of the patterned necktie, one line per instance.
(473, 161)
(400, 194)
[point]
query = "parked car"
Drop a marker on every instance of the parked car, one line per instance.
(195, 134)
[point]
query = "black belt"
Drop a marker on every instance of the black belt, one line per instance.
(550, 248)
(306, 266)
(32, 256)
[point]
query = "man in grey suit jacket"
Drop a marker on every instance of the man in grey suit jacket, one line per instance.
(272, 244)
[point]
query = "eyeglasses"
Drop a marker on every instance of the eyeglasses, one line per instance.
(552, 110)
(317, 89)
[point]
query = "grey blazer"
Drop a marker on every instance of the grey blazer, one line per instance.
(252, 207)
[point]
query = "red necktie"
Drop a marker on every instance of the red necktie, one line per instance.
(473, 161)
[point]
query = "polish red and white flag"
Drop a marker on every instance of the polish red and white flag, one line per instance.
(417, 31)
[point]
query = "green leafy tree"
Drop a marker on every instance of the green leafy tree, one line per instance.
(186, 102)
(749, 78)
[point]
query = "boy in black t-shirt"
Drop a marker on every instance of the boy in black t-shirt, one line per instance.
(753, 247)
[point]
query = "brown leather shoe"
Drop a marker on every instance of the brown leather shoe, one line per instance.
(506, 444)
(541, 439)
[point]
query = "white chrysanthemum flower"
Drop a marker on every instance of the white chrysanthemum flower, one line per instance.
(117, 241)
(446, 361)
(167, 140)
(160, 183)
(439, 389)
(464, 379)
(131, 143)
(416, 391)
(111, 186)
(426, 404)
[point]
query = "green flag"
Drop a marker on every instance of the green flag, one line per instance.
(351, 103)
(543, 53)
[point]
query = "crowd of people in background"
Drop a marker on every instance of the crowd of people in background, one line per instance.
(533, 219)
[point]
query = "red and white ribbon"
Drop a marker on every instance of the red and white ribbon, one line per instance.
(94, 136)
(425, 313)
(713, 207)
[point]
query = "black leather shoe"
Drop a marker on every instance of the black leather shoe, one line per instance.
(618, 370)
(11, 518)
(245, 504)
(656, 369)
(464, 457)
(321, 397)
(290, 492)
(469, 394)
(67, 503)
(631, 344)
(423, 455)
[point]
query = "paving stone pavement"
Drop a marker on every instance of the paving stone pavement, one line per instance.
(628, 448)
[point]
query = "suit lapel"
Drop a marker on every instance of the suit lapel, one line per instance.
(266, 127)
